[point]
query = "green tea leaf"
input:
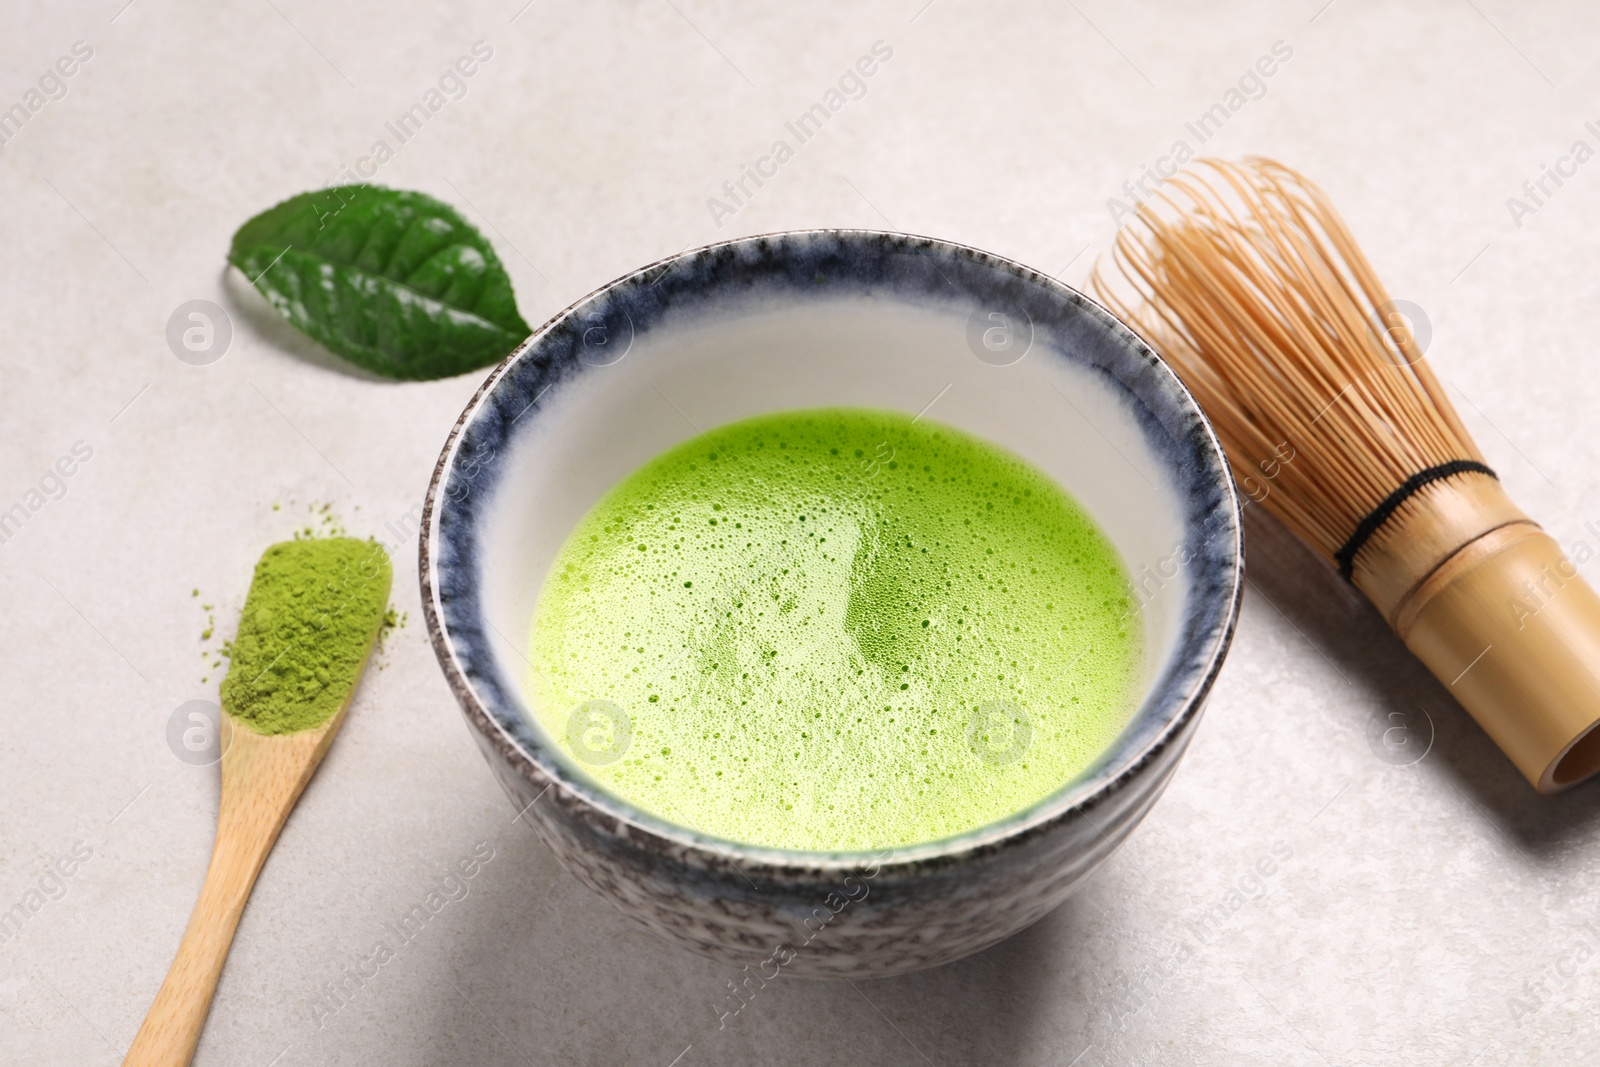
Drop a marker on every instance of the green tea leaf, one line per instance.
(394, 281)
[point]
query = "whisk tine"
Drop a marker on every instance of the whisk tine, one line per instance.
(1233, 265)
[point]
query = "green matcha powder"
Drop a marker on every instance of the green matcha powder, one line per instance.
(314, 608)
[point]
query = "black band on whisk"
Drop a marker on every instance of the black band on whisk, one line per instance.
(1346, 556)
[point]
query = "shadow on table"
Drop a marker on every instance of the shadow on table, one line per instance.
(1341, 625)
(566, 979)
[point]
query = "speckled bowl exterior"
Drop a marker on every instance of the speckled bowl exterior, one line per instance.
(829, 915)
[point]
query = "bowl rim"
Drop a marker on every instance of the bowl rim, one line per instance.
(1096, 785)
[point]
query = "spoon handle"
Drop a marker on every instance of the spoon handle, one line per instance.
(262, 777)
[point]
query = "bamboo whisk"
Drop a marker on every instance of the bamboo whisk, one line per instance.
(1250, 285)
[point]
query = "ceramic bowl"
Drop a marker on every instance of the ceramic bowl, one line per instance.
(808, 319)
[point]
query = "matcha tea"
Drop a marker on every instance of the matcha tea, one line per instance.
(835, 629)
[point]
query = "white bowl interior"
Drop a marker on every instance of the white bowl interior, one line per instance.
(694, 372)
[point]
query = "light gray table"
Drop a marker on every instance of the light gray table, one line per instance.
(1437, 913)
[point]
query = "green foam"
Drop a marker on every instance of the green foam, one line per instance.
(835, 629)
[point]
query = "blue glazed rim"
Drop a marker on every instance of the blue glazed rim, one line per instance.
(829, 263)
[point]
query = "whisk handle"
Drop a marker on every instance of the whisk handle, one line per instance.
(1509, 625)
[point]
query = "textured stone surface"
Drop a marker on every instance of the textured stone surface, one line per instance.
(1426, 914)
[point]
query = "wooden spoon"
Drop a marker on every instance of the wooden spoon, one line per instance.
(263, 774)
